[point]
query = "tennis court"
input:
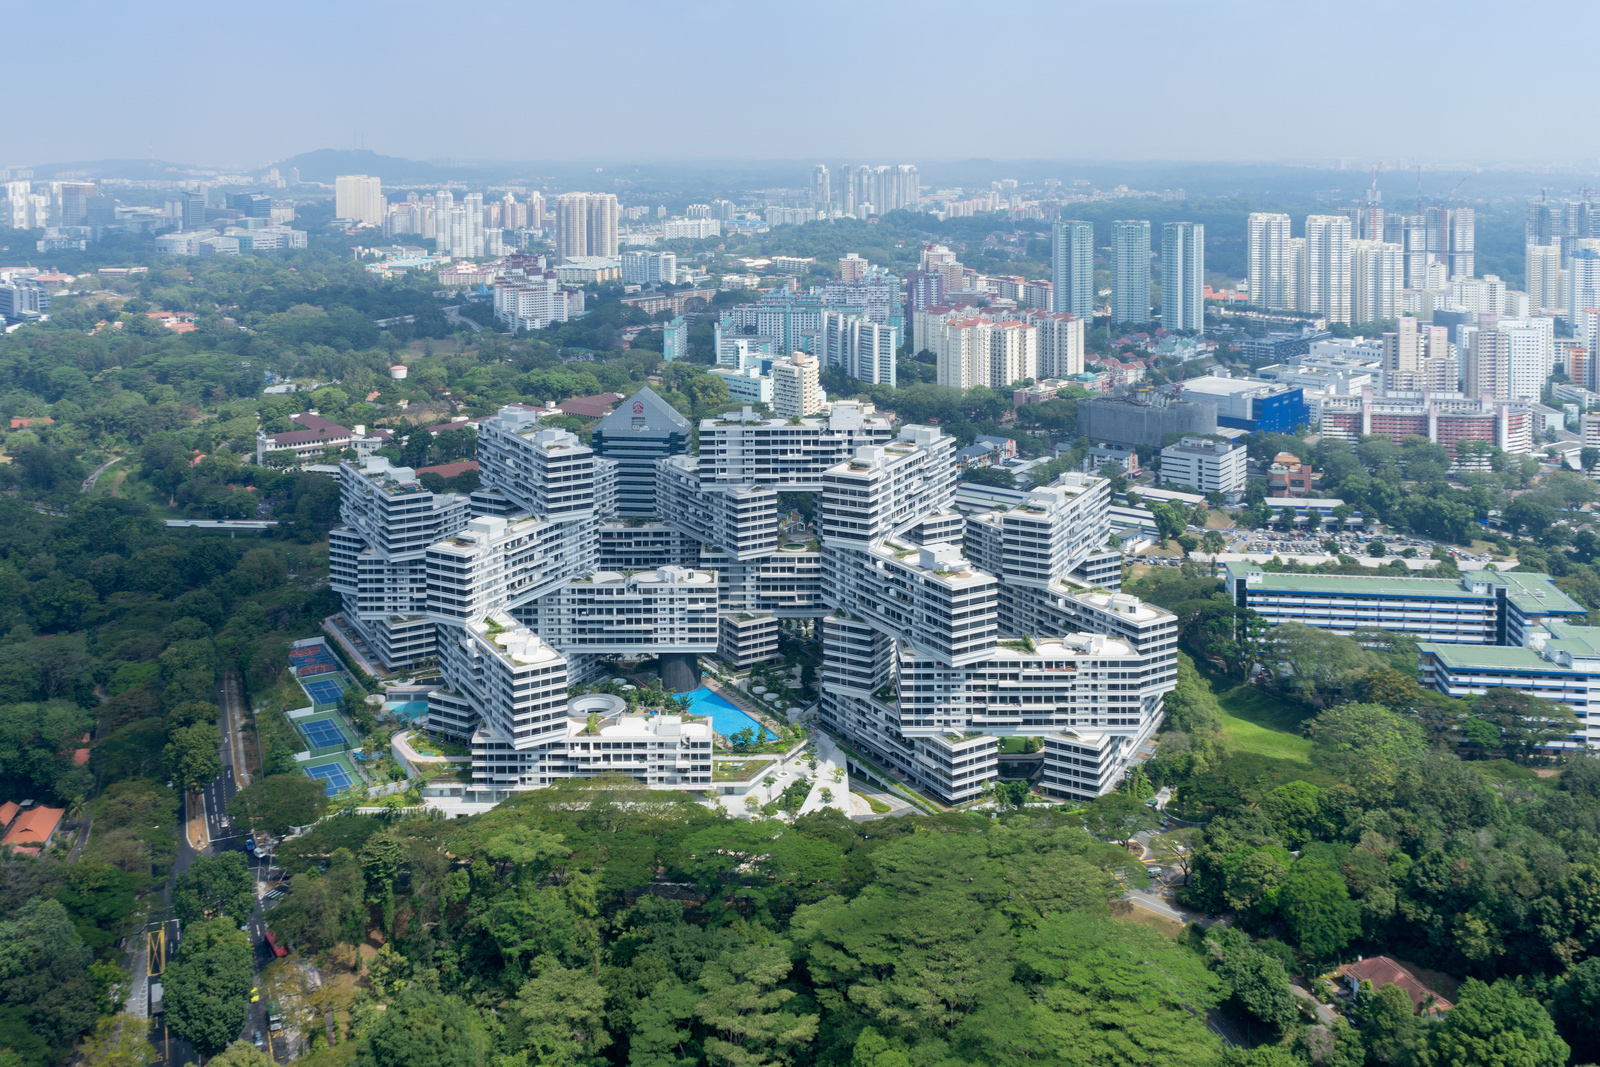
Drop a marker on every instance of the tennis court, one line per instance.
(333, 777)
(316, 668)
(324, 691)
(324, 733)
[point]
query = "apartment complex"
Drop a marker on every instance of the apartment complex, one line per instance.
(1207, 465)
(1480, 608)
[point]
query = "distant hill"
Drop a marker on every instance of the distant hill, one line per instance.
(324, 164)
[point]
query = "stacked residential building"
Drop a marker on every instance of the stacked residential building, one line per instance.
(928, 657)
(975, 350)
(932, 649)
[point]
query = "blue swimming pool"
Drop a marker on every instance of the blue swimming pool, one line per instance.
(726, 719)
(411, 709)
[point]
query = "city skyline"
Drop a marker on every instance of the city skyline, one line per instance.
(1307, 122)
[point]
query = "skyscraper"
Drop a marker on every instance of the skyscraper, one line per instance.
(1271, 286)
(1411, 234)
(1130, 270)
(1451, 237)
(1486, 370)
(847, 189)
(1379, 275)
(1583, 282)
(821, 195)
(1327, 267)
(1543, 265)
(358, 197)
(443, 203)
(1072, 268)
(1183, 272)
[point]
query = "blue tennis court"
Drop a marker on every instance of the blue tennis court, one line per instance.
(324, 692)
(323, 734)
(332, 776)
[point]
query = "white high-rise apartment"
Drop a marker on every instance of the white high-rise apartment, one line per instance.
(375, 559)
(1530, 355)
(649, 268)
(977, 351)
(821, 194)
(1269, 269)
(1327, 267)
(1072, 268)
(1183, 274)
(444, 203)
(1486, 371)
(1543, 274)
(359, 197)
(1060, 342)
(1130, 271)
(586, 224)
(744, 448)
(1379, 278)
(863, 349)
(1296, 259)
(796, 389)
(1583, 282)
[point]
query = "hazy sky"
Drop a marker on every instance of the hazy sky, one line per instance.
(243, 83)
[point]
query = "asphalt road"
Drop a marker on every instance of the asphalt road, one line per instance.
(221, 837)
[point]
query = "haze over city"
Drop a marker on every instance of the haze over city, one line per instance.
(844, 535)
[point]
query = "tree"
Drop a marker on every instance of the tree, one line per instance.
(1530, 515)
(1525, 721)
(215, 885)
(745, 1008)
(1493, 1026)
(1316, 665)
(1589, 458)
(277, 802)
(1377, 549)
(1316, 904)
(425, 1027)
(1369, 745)
(193, 756)
(121, 1040)
(1257, 980)
(241, 1054)
(1386, 1021)
(1176, 848)
(1214, 544)
(207, 988)
(1576, 1006)
(559, 1017)
(1119, 816)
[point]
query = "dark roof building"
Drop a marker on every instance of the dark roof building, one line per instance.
(643, 429)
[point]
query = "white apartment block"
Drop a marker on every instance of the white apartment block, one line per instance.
(375, 559)
(672, 610)
(649, 268)
(977, 351)
(1379, 279)
(745, 447)
(1060, 343)
(740, 520)
(544, 471)
(691, 229)
(359, 197)
(796, 386)
(534, 302)
(863, 349)
(1269, 267)
(1045, 537)
(1531, 355)
(1208, 466)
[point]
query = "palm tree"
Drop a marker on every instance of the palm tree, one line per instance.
(1213, 542)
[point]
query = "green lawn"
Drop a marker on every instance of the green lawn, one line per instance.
(1254, 721)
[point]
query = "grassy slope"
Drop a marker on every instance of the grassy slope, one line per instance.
(1258, 723)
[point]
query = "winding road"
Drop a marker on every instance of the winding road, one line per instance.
(94, 476)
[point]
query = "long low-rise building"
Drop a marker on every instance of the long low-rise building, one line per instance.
(1562, 663)
(1481, 608)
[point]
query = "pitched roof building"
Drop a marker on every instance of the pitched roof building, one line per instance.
(643, 429)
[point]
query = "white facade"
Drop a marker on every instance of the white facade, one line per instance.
(375, 559)
(1183, 275)
(979, 351)
(1130, 271)
(863, 349)
(690, 229)
(1531, 353)
(1326, 273)
(747, 448)
(796, 387)
(1209, 466)
(649, 268)
(1271, 286)
(1379, 278)
(359, 197)
(1060, 343)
